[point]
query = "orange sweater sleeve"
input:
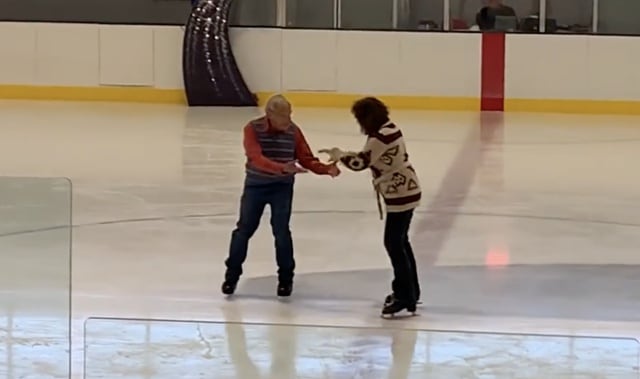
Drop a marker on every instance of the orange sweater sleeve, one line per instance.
(254, 154)
(306, 158)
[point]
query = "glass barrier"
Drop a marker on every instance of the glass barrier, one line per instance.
(145, 12)
(128, 348)
(575, 16)
(561, 16)
(507, 16)
(523, 16)
(379, 14)
(421, 15)
(254, 12)
(35, 277)
(618, 17)
(311, 14)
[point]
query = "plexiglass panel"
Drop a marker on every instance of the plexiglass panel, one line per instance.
(35, 277)
(501, 15)
(254, 13)
(366, 14)
(619, 17)
(171, 349)
(569, 16)
(313, 14)
(419, 14)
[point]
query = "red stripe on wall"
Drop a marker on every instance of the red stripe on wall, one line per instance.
(492, 79)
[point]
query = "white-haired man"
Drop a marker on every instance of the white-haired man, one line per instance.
(274, 146)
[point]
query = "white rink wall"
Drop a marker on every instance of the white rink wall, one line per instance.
(90, 55)
(359, 62)
(571, 67)
(577, 67)
(271, 60)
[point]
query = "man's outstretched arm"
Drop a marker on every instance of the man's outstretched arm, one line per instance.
(305, 157)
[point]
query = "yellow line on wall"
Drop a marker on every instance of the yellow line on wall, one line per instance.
(319, 99)
(338, 100)
(176, 96)
(573, 106)
(106, 93)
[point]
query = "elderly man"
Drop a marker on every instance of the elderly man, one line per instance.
(276, 151)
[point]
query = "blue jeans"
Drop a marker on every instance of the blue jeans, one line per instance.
(279, 196)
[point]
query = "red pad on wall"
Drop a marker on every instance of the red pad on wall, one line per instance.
(492, 79)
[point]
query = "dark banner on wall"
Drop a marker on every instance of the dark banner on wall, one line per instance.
(211, 75)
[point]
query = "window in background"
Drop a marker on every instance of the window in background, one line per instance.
(619, 17)
(367, 14)
(470, 15)
(317, 14)
(135, 12)
(254, 13)
(569, 16)
(420, 14)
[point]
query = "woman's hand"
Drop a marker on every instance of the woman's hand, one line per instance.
(334, 154)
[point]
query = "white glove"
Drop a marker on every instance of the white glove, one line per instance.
(334, 153)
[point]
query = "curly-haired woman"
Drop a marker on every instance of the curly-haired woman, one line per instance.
(395, 180)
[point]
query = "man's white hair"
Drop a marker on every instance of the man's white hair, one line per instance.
(276, 103)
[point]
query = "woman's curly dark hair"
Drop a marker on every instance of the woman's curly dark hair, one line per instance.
(371, 114)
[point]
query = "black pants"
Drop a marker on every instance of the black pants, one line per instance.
(405, 283)
(255, 198)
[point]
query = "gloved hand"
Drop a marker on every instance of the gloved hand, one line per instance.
(334, 153)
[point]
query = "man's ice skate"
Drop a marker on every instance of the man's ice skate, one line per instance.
(228, 287)
(389, 299)
(396, 306)
(285, 289)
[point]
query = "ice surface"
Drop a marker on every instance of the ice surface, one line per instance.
(529, 224)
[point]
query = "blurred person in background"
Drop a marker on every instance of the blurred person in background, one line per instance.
(497, 8)
(486, 17)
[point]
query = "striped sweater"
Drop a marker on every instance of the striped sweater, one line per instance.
(268, 150)
(394, 178)
(278, 148)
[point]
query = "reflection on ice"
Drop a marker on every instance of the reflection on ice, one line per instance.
(165, 349)
(34, 347)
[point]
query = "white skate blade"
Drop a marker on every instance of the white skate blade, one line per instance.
(399, 316)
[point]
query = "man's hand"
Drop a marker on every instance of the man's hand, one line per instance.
(333, 170)
(293, 168)
(334, 154)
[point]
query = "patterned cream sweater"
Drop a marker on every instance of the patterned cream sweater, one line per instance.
(393, 176)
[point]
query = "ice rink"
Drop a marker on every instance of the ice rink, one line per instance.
(527, 243)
